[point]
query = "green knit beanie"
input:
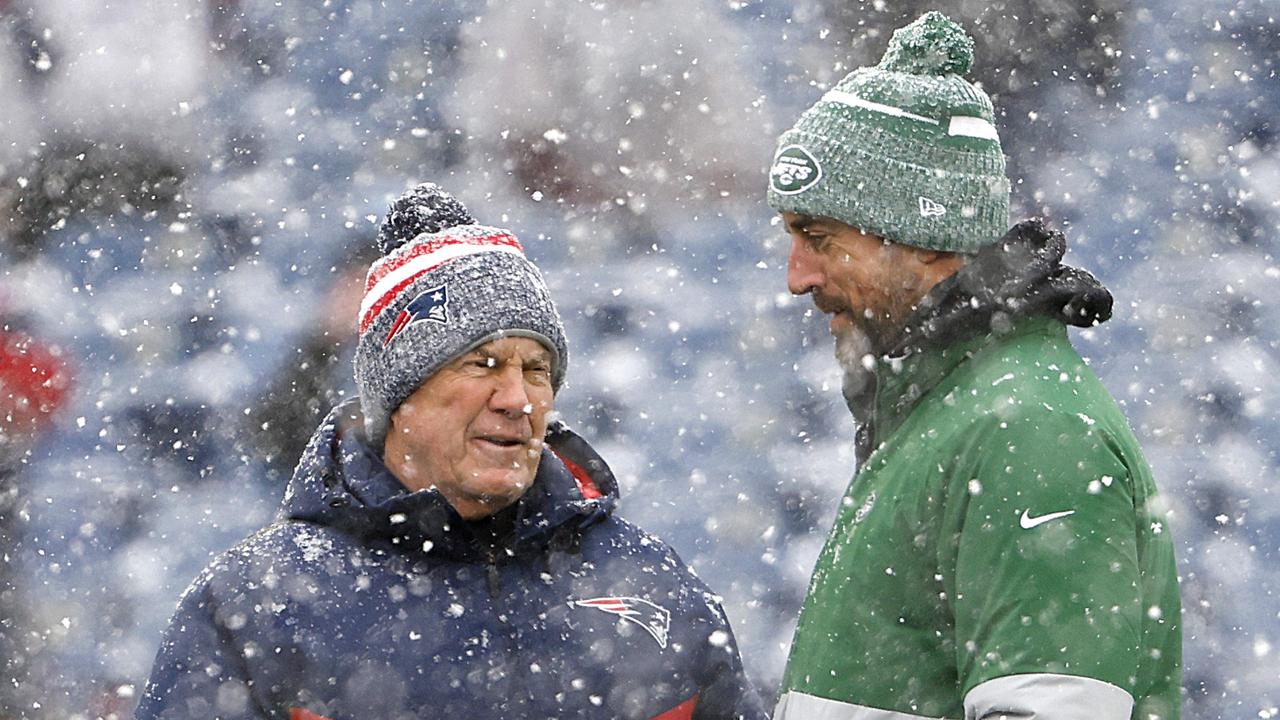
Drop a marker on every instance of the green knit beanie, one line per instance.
(906, 150)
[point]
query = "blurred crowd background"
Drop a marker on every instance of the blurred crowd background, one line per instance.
(188, 195)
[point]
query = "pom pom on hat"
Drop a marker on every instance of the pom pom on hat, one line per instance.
(932, 45)
(427, 208)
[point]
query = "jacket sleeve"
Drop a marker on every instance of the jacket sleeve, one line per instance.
(727, 693)
(200, 671)
(1042, 572)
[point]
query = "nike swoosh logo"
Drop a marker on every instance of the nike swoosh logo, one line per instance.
(1027, 522)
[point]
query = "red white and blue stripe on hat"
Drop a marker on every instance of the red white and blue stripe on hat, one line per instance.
(398, 271)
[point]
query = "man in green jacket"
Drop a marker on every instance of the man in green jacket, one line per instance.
(1002, 550)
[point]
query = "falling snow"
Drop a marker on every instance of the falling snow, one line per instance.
(190, 189)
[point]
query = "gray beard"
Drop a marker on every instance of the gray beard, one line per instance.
(856, 354)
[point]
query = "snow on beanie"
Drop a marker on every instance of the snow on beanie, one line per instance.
(906, 150)
(443, 287)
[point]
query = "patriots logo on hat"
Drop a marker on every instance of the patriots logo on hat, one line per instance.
(432, 306)
(655, 619)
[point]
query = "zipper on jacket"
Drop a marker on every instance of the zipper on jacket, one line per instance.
(491, 576)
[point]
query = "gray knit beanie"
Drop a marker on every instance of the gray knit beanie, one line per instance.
(906, 150)
(443, 287)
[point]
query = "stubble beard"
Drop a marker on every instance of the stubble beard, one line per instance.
(858, 346)
(856, 354)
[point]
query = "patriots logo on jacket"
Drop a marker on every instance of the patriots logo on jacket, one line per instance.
(432, 305)
(655, 619)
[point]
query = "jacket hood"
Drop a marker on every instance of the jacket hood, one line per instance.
(341, 482)
(1003, 287)
(1020, 276)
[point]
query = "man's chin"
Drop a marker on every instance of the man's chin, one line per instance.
(856, 354)
(841, 323)
(501, 487)
(488, 491)
(853, 346)
(857, 337)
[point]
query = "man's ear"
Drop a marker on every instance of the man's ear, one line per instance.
(929, 257)
(933, 266)
(941, 261)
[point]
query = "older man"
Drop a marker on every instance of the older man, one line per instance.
(445, 549)
(1001, 551)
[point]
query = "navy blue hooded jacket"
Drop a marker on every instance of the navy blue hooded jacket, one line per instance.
(367, 601)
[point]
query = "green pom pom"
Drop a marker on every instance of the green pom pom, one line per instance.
(932, 45)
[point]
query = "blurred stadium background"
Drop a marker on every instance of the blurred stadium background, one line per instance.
(189, 189)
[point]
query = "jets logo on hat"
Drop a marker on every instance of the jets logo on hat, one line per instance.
(794, 171)
(931, 208)
(432, 306)
(655, 619)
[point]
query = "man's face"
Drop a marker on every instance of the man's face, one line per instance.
(868, 286)
(474, 430)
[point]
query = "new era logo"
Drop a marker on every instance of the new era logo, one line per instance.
(931, 208)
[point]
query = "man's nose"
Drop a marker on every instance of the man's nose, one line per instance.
(804, 268)
(510, 396)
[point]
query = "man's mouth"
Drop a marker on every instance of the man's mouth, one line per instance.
(825, 306)
(502, 441)
(829, 305)
(841, 316)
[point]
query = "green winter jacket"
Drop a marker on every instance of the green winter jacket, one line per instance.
(1002, 551)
